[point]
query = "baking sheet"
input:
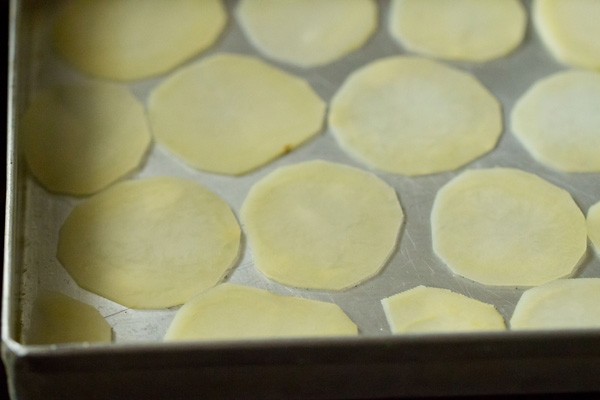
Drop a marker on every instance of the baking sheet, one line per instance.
(413, 262)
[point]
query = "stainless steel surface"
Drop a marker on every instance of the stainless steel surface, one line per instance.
(34, 217)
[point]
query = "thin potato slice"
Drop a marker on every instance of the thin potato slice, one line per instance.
(79, 139)
(558, 119)
(321, 225)
(150, 243)
(307, 33)
(466, 30)
(57, 318)
(230, 114)
(414, 116)
(433, 310)
(506, 227)
(570, 30)
(562, 304)
(593, 225)
(232, 312)
(135, 39)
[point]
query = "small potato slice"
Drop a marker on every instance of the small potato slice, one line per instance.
(562, 304)
(414, 116)
(466, 30)
(570, 30)
(506, 227)
(135, 39)
(230, 114)
(150, 243)
(433, 310)
(232, 312)
(321, 225)
(79, 139)
(593, 225)
(558, 119)
(307, 33)
(57, 318)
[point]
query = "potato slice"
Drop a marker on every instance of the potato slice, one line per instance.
(230, 114)
(466, 30)
(558, 119)
(150, 243)
(506, 227)
(593, 225)
(433, 310)
(321, 225)
(233, 312)
(562, 304)
(414, 116)
(135, 39)
(79, 139)
(307, 33)
(57, 318)
(570, 30)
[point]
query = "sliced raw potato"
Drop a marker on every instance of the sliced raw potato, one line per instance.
(321, 225)
(307, 33)
(231, 114)
(432, 310)
(232, 312)
(507, 227)
(79, 139)
(150, 243)
(570, 30)
(558, 119)
(134, 39)
(562, 304)
(466, 30)
(57, 318)
(593, 225)
(414, 116)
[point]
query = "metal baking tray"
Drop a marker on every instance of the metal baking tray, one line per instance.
(372, 365)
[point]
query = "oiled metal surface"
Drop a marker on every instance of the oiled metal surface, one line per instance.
(35, 265)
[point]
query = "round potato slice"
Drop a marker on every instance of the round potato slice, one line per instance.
(307, 33)
(230, 114)
(135, 39)
(232, 312)
(414, 116)
(570, 30)
(593, 224)
(320, 225)
(466, 30)
(506, 227)
(79, 139)
(150, 243)
(432, 310)
(558, 119)
(562, 304)
(57, 318)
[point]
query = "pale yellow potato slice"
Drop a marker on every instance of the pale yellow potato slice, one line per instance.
(562, 304)
(135, 39)
(593, 225)
(230, 114)
(558, 119)
(79, 139)
(150, 243)
(233, 312)
(465, 30)
(433, 310)
(570, 30)
(414, 116)
(57, 318)
(507, 227)
(321, 225)
(307, 33)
